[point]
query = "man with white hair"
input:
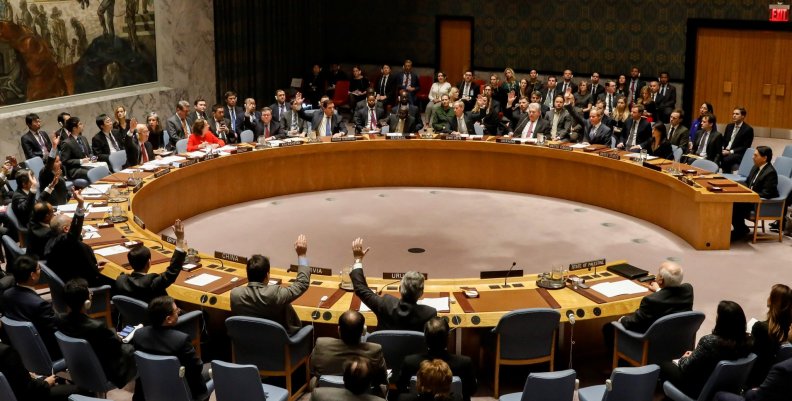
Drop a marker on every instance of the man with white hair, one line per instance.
(531, 124)
(392, 313)
(138, 149)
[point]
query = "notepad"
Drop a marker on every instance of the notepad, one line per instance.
(616, 288)
(202, 280)
(440, 304)
(111, 250)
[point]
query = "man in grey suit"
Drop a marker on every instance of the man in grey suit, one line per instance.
(594, 132)
(678, 134)
(329, 354)
(177, 125)
(291, 123)
(357, 384)
(326, 122)
(273, 302)
(560, 120)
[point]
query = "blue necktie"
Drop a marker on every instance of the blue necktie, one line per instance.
(328, 127)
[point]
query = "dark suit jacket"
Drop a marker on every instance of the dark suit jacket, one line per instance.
(392, 313)
(329, 355)
(25, 305)
(276, 113)
(390, 89)
(514, 114)
(666, 104)
(564, 123)
(644, 134)
(714, 145)
(663, 151)
(410, 125)
(776, 387)
(414, 81)
(37, 237)
(572, 85)
(117, 359)
(22, 204)
(175, 130)
(491, 120)
(72, 153)
(69, 257)
(470, 121)
(596, 91)
(25, 388)
(230, 135)
(742, 141)
(193, 115)
(681, 136)
(272, 302)
(285, 123)
(59, 195)
(602, 136)
(147, 286)
(238, 122)
(460, 365)
(362, 115)
(541, 126)
(101, 148)
(170, 342)
(546, 93)
(133, 153)
(637, 94)
(474, 92)
(31, 146)
(661, 303)
(764, 183)
(337, 124)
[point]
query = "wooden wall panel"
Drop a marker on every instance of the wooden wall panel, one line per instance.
(782, 116)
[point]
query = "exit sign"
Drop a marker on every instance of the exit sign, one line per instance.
(779, 12)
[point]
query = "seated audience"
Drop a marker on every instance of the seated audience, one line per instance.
(138, 148)
(402, 121)
(436, 333)
(432, 383)
(39, 230)
(708, 141)
(330, 353)
(763, 180)
(28, 386)
(122, 125)
(35, 142)
(202, 138)
(439, 88)
(117, 359)
(75, 150)
(442, 114)
(392, 313)
(358, 380)
(678, 134)
(769, 334)
(107, 140)
(776, 387)
(199, 111)
(160, 338)
(404, 101)
(728, 341)
(737, 138)
(145, 286)
(21, 302)
(260, 299)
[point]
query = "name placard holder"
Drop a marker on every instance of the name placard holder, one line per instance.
(243, 149)
(168, 239)
(399, 276)
(587, 265)
(139, 221)
(162, 172)
(343, 139)
(500, 274)
(137, 187)
(314, 270)
(610, 155)
(230, 257)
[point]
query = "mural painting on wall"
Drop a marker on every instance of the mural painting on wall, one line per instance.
(53, 48)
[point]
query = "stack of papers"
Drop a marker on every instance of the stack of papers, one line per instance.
(637, 155)
(226, 148)
(111, 250)
(580, 145)
(96, 189)
(614, 289)
(196, 155)
(202, 279)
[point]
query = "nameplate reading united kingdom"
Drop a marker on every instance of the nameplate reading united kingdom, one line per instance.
(230, 257)
(398, 276)
(168, 239)
(587, 265)
(314, 270)
(343, 139)
(162, 172)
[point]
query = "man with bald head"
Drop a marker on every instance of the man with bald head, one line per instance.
(135, 144)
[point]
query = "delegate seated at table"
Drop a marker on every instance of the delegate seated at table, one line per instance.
(202, 138)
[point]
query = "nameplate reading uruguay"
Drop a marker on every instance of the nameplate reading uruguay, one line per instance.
(399, 276)
(314, 270)
(168, 239)
(162, 172)
(230, 257)
(587, 265)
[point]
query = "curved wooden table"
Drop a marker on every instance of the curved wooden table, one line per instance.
(696, 215)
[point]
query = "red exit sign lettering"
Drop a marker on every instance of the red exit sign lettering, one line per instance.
(779, 13)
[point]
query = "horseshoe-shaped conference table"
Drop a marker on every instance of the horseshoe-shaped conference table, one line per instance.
(694, 213)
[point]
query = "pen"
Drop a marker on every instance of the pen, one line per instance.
(191, 276)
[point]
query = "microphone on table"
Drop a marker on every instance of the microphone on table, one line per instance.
(571, 316)
(387, 285)
(507, 275)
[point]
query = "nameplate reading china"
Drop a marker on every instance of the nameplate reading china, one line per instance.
(343, 139)
(314, 270)
(586, 265)
(162, 172)
(168, 239)
(139, 221)
(230, 257)
(398, 276)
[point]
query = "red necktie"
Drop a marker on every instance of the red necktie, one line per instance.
(373, 120)
(266, 132)
(143, 153)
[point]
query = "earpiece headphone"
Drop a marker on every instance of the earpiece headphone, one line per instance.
(87, 304)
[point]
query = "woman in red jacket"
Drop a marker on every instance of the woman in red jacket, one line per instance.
(201, 137)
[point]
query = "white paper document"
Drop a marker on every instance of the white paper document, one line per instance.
(226, 148)
(637, 155)
(580, 145)
(202, 279)
(101, 209)
(97, 189)
(440, 304)
(196, 154)
(614, 289)
(91, 235)
(111, 250)
(68, 208)
(130, 170)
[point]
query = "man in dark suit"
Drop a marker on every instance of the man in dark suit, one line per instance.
(235, 115)
(559, 120)
(402, 121)
(408, 81)
(436, 333)
(369, 118)
(117, 359)
(386, 86)
(252, 119)
(358, 380)
(177, 125)
(763, 180)
(160, 338)
(260, 299)
(678, 134)
(609, 97)
(21, 302)
(268, 127)
(463, 122)
(314, 85)
(708, 143)
(593, 130)
(281, 106)
(392, 313)
(468, 90)
(637, 132)
(27, 387)
(326, 123)
(67, 255)
(567, 85)
(596, 87)
(515, 114)
(138, 148)
(776, 387)
(634, 85)
(106, 140)
(75, 150)
(738, 137)
(670, 296)
(551, 91)
(531, 124)
(329, 354)
(667, 102)
(61, 132)
(39, 231)
(145, 286)
(291, 123)
(414, 111)
(24, 197)
(35, 143)
(220, 125)
(199, 111)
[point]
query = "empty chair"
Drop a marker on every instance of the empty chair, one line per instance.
(15, 222)
(35, 165)
(553, 386)
(478, 129)
(100, 301)
(246, 136)
(727, 376)
(163, 378)
(256, 341)
(783, 165)
(745, 168)
(634, 384)
(396, 344)
(12, 250)
(677, 152)
(773, 209)
(181, 146)
(787, 151)
(97, 173)
(84, 367)
(242, 382)
(705, 164)
(525, 337)
(6, 393)
(165, 138)
(117, 160)
(666, 339)
(26, 340)
(333, 381)
(134, 312)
